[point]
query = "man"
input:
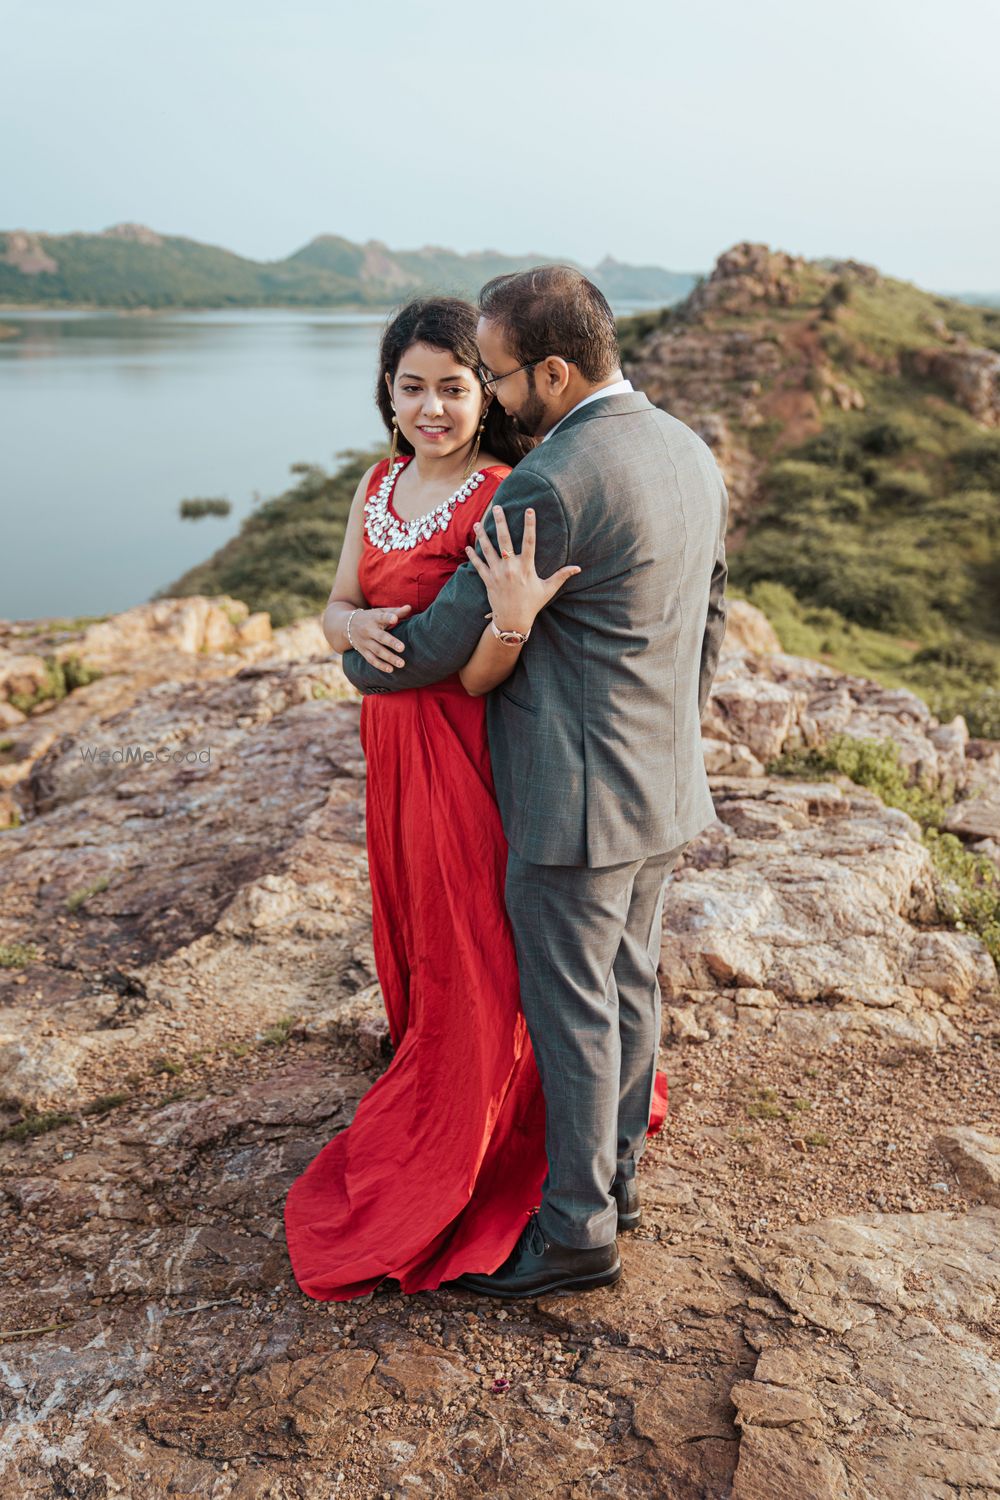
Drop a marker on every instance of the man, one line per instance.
(595, 739)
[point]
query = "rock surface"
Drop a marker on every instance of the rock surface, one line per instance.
(810, 1304)
(971, 375)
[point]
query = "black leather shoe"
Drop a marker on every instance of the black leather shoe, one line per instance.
(537, 1266)
(625, 1192)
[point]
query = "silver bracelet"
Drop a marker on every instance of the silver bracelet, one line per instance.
(350, 617)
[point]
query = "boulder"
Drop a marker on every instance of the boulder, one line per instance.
(820, 899)
(748, 629)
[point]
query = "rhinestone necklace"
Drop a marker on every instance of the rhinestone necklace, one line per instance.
(390, 534)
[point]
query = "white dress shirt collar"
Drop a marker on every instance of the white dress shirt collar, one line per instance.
(618, 388)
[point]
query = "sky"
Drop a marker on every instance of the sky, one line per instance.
(658, 132)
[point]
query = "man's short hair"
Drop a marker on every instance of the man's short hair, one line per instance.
(554, 310)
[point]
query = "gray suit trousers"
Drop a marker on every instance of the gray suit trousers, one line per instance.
(588, 944)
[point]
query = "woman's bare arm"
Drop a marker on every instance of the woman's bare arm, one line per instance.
(490, 664)
(348, 603)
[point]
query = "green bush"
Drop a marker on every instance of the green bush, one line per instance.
(969, 893)
(34, 1125)
(76, 674)
(194, 510)
(902, 487)
(61, 677)
(17, 955)
(870, 763)
(978, 463)
(80, 898)
(886, 436)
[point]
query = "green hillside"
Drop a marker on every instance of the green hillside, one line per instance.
(130, 266)
(858, 421)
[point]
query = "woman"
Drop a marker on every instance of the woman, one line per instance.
(445, 1157)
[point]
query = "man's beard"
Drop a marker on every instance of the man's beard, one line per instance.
(531, 416)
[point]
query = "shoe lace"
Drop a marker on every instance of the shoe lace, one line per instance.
(532, 1238)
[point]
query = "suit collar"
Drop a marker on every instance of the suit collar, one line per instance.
(605, 406)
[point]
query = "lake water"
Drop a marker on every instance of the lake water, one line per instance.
(109, 420)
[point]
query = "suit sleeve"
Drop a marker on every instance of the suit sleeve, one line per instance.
(715, 624)
(441, 639)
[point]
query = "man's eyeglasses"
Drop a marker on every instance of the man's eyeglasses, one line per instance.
(490, 381)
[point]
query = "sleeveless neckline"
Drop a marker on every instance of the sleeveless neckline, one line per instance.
(404, 463)
(387, 531)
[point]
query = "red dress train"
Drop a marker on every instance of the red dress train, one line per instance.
(445, 1156)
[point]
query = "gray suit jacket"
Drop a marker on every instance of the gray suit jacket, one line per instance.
(595, 738)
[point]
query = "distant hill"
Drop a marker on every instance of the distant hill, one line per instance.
(979, 299)
(857, 420)
(130, 266)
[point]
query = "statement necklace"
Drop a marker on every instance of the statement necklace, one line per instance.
(386, 531)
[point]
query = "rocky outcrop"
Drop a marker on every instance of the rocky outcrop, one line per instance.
(26, 253)
(190, 1011)
(812, 910)
(769, 345)
(770, 702)
(748, 274)
(136, 234)
(747, 629)
(806, 908)
(970, 375)
(168, 641)
(728, 364)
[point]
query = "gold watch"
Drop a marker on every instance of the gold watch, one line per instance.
(510, 637)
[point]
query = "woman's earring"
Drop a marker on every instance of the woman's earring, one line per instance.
(474, 455)
(395, 439)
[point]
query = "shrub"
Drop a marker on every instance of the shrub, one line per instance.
(193, 510)
(17, 955)
(61, 677)
(974, 659)
(34, 1125)
(80, 898)
(278, 1034)
(76, 674)
(978, 463)
(886, 436)
(870, 763)
(836, 297)
(969, 893)
(902, 487)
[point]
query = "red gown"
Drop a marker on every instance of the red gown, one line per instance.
(445, 1156)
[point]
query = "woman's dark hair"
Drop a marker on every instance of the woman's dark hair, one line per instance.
(449, 324)
(554, 310)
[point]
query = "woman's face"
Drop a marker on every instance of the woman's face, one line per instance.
(439, 403)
